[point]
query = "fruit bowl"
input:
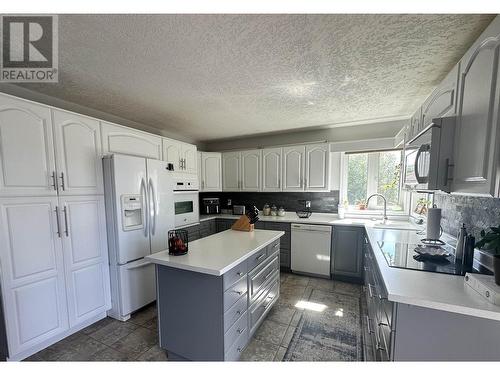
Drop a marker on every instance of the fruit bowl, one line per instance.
(303, 214)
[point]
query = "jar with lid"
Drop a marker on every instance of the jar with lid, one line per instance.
(267, 210)
(281, 211)
(274, 210)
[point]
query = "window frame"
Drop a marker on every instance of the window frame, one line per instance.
(373, 164)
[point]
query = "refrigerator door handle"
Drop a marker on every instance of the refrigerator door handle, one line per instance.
(154, 214)
(145, 206)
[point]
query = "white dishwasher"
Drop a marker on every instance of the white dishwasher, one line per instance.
(311, 246)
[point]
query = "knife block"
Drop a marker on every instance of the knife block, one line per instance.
(243, 224)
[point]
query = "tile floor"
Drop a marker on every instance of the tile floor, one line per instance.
(137, 339)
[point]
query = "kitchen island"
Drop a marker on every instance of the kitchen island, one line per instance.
(212, 300)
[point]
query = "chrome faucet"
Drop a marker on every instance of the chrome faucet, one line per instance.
(384, 219)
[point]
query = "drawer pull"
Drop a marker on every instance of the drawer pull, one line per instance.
(269, 274)
(240, 331)
(383, 324)
(368, 325)
(382, 349)
(239, 273)
(261, 256)
(237, 292)
(239, 350)
(381, 298)
(267, 304)
(238, 312)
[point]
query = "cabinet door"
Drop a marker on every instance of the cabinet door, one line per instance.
(231, 171)
(317, 167)
(211, 171)
(118, 139)
(347, 252)
(86, 257)
(78, 154)
(27, 153)
(415, 123)
(250, 170)
(442, 101)
(477, 145)
(271, 169)
(200, 170)
(31, 258)
(293, 168)
(172, 153)
(189, 158)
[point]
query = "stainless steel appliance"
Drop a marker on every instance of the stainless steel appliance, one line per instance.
(210, 206)
(429, 157)
(238, 209)
(139, 214)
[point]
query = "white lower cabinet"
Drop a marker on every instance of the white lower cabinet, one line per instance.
(33, 286)
(85, 256)
(54, 267)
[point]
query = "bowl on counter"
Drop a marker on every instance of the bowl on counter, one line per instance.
(303, 214)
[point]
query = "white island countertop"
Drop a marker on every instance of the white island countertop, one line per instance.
(427, 289)
(218, 253)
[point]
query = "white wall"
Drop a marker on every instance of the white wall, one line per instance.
(335, 134)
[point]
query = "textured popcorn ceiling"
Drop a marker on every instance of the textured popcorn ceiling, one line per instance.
(218, 76)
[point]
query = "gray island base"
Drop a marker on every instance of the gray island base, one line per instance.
(212, 300)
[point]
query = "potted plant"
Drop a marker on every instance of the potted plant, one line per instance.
(491, 243)
(361, 205)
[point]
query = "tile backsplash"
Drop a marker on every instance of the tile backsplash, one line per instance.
(320, 202)
(476, 212)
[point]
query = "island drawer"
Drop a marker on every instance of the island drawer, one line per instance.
(234, 274)
(238, 329)
(235, 312)
(257, 258)
(234, 292)
(234, 352)
(263, 305)
(261, 276)
(273, 248)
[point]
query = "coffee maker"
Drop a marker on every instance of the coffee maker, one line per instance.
(210, 206)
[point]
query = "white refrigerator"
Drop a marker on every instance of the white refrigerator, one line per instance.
(139, 214)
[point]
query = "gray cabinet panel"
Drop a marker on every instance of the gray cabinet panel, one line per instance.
(235, 312)
(234, 274)
(347, 252)
(238, 329)
(234, 292)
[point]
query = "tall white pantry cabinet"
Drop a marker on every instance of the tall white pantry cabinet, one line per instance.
(53, 247)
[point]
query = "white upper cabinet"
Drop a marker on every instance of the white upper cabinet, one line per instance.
(415, 123)
(78, 154)
(250, 170)
(33, 285)
(210, 171)
(27, 153)
(181, 155)
(118, 139)
(172, 153)
(271, 169)
(231, 173)
(477, 141)
(293, 168)
(83, 233)
(188, 153)
(317, 177)
(442, 101)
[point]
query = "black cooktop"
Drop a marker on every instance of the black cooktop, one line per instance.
(403, 255)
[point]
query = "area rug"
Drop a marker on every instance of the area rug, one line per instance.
(333, 334)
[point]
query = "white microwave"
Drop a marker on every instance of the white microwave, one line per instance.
(429, 157)
(186, 208)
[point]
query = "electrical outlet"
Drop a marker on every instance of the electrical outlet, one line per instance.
(308, 204)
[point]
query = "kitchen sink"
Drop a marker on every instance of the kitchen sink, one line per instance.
(394, 224)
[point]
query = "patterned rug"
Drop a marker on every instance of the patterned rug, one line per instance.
(333, 334)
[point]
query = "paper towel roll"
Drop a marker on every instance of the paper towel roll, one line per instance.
(433, 223)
